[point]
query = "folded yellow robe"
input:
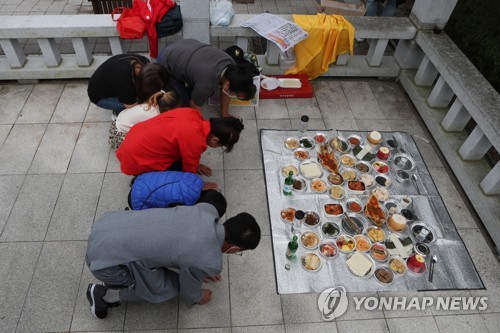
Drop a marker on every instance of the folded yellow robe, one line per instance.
(329, 36)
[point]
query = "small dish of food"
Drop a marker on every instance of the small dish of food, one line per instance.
(328, 249)
(355, 140)
(340, 144)
(345, 243)
(335, 179)
(353, 224)
(307, 143)
(364, 153)
(299, 184)
(348, 160)
(384, 275)
(311, 262)
(336, 192)
(397, 265)
(397, 223)
(287, 168)
(360, 264)
(380, 167)
(334, 210)
(398, 245)
(404, 162)
(423, 233)
(381, 193)
(356, 187)
(363, 167)
(363, 243)
(310, 169)
(292, 143)
(375, 212)
(311, 218)
(383, 180)
(375, 234)
(349, 174)
(288, 214)
(330, 229)
(393, 206)
(318, 186)
(320, 138)
(310, 240)
(367, 179)
(379, 252)
(354, 205)
(301, 154)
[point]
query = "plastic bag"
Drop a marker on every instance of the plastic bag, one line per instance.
(221, 12)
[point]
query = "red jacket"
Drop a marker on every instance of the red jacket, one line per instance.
(151, 12)
(155, 144)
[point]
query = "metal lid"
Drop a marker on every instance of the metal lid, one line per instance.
(299, 215)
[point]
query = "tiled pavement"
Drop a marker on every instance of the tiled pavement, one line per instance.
(58, 175)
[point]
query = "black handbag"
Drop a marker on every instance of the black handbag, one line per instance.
(170, 23)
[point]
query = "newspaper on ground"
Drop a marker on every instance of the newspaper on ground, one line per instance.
(283, 33)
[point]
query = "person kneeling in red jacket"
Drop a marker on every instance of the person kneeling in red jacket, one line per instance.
(174, 141)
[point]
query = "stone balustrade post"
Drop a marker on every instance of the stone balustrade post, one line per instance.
(196, 20)
(429, 14)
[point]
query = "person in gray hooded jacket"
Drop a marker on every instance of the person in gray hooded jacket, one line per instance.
(154, 254)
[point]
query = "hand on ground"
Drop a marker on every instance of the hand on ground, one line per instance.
(209, 186)
(203, 170)
(205, 298)
(215, 278)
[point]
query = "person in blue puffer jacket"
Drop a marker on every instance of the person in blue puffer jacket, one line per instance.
(166, 189)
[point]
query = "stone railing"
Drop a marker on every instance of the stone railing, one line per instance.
(374, 63)
(52, 63)
(448, 91)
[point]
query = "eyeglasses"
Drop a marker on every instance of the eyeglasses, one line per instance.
(235, 250)
(234, 96)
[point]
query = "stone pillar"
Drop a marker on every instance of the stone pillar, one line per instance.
(196, 20)
(429, 14)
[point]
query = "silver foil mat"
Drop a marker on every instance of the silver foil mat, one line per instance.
(454, 270)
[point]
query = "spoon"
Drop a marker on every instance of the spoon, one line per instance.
(431, 268)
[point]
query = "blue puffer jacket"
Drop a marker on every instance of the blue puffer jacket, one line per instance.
(159, 189)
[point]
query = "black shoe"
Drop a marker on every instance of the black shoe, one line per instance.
(98, 307)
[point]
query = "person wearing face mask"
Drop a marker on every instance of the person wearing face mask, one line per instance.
(174, 141)
(200, 71)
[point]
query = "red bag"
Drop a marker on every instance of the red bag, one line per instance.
(130, 24)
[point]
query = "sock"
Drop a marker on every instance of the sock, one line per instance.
(111, 296)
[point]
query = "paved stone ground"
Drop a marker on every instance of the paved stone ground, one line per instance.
(58, 175)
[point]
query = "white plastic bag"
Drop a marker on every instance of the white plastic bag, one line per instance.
(221, 12)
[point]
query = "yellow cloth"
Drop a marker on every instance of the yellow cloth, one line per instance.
(329, 36)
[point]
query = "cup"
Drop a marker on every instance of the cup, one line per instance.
(406, 202)
(304, 120)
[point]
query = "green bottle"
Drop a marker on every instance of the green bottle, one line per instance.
(292, 248)
(287, 189)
